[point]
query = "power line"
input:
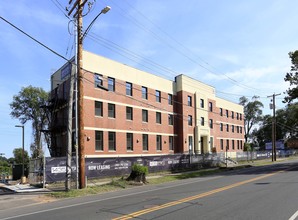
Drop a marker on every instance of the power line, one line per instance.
(60, 7)
(140, 25)
(32, 38)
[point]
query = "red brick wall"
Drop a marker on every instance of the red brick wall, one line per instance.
(120, 123)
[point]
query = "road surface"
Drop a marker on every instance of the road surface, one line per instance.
(268, 192)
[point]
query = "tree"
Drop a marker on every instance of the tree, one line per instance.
(5, 167)
(263, 133)
(18, 156)
(27, 106)
(287, 121)
(292, 78)
(252, 114)
(286, 125)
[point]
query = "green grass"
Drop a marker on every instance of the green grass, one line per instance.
(112, 186)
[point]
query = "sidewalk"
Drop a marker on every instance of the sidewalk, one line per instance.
(13, 196)
(20, 188)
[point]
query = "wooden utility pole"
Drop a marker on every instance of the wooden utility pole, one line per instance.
(79, 4)
(273, 127)
(69, 131)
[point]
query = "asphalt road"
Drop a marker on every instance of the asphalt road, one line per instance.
(269, 192)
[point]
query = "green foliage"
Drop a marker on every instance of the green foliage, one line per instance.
(247, 147)
(5, 166)
(286, 125)
(292, 78)
(139, 169)
(252, 114)
(18, 156)
(27, 106)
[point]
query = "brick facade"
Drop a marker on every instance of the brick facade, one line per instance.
(180, 125)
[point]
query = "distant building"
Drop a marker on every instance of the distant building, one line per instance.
(144, 114)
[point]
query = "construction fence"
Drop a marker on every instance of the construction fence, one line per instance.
(97, 168)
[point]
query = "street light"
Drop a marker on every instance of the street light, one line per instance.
(23, 166)
(103, 11)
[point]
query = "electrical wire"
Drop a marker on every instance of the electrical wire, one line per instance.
(177, 115)
(60, 7)
(165, 42)
(32, 38)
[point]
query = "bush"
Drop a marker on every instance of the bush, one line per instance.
(138, 173)
(139, 169)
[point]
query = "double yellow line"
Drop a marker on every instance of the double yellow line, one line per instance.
(166, 205)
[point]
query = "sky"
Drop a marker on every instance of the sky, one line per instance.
(239, 47)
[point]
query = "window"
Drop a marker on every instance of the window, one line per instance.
(158, 142)
(232, 115)
(238, 144)
(112, 141)
(171, 143)
(210, 123)
(74, 110)
(129, 88)
(111, 84)
(202, 121)
(158, 117)
(98, 108)
(189, 100)
(202, 105)
(111, 108)
(129, 113)
(190, 143)
(145, 142)
(237, 116)
(233, 128)
(227, 127)
(158, 96)
(240, 117)
(221, 127)
(233, 144)
(211, 142)
(237, 129)
(210, 107)
(227, 145)
(171, 119)
(99, 140)
(190, 120)
(144, 92)
(144, 115)
(129, 141)
(241, 146)
(98, 80)
(221, 144)
(227, 113)
(170, 99)
(220, 111)
(240, 130)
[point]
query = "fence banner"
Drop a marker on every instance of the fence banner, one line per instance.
(56, 168)
(109, 167)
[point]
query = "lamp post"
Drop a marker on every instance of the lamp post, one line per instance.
(23, 166)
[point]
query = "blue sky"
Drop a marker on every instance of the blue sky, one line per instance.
(240, 47)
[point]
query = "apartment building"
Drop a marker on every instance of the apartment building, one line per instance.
(139, 114)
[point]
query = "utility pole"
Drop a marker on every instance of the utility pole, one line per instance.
(78, 5)
(23, 152)
(69, 131)
(273, 126)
